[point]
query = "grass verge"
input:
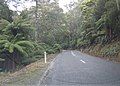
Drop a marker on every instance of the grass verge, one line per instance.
(29, 75)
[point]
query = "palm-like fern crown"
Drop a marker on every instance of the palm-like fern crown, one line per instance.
(14, 35)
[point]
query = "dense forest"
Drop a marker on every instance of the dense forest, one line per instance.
(90, 25)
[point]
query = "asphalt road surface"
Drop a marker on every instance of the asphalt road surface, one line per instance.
(72, 68)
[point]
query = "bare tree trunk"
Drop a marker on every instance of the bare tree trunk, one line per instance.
(118, 6)
(37, 23)
(13, 61)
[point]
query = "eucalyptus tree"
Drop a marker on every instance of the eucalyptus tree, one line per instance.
(109, 20)
(5, 12)
(50, 20)
(118, 4)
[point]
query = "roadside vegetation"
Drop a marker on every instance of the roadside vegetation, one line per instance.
(30, 74)
(90, 25)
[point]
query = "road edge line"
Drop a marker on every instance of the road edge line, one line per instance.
(46, 72)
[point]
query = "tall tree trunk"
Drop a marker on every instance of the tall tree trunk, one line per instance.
(13, 60)
(118, 6)
(37, 23)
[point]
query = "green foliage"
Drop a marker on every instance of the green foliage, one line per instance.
(20, 28)
(40, 48)
(19, 45)
(57, 47)
(15, 38)
(111, 50)
(20, 49)
(2, 59)
(81, 43)
(5, 12)
(37, 52)
(27, 61)
(3, 24)
(98, 21)
(25, 44)
(47, 48)
(65, 45)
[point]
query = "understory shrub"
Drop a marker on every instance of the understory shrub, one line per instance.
(111, 50)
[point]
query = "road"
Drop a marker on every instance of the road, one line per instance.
(72, 68)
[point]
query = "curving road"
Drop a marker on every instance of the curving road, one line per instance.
(78, 69)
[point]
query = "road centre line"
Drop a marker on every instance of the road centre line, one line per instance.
(83, 61)
(73, 53)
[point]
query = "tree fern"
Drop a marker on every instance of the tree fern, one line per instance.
(25, 43)
(20, 49)
(3, 41)
(6, 45)
(11, 48)
(3, 24)
(2, 59)
(3, 37)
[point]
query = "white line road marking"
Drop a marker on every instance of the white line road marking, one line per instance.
(73, 53)
(82, 61)
(45, 73)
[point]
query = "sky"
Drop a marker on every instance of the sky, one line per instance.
(28, 4)
(62, 3)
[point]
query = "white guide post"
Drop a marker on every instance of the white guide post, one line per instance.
(45, 57)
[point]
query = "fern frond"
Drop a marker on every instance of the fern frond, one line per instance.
(25, 43)
(3, 37)
(3, 23)
(20, 49)
(11, 48)
(2, 59)
(4, 41)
